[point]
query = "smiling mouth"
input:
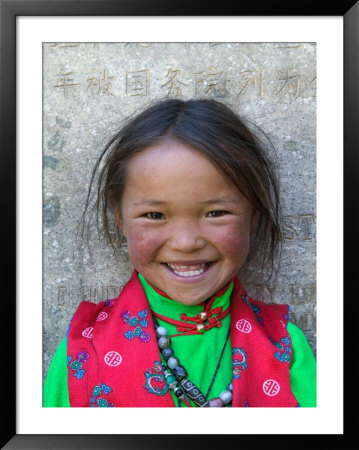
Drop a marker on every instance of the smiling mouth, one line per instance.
(190, 270)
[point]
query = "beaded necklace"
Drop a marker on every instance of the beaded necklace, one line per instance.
(175, 374)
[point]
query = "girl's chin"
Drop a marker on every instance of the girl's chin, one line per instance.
(188, 300)
(192, 292)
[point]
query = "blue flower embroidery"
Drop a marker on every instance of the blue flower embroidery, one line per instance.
(77, 364)
(137, 322)
(129, 335)
(283, 355)
(98, 401)
(79, 374)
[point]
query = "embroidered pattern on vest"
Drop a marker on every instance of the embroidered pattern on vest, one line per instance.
(100, 402)
(108, 302)
(284, 349)
(136, 322)
(239, 361)
(153, 376)
(77, 364)
(271, 387)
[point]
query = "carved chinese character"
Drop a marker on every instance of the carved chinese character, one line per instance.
(100, 85)
(251, 78)
(211, 82)
(173, 84)
(290, 82)
(65, 82)
(137, 83)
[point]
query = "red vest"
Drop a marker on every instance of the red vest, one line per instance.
(113, 357)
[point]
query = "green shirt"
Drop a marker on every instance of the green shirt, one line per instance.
(198, 353)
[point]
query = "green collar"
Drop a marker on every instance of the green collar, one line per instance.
(172, 309)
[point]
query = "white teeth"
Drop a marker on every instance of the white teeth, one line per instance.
(188, 271)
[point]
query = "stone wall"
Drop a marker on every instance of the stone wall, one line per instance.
(89, 88)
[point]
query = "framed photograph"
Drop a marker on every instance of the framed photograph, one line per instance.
(60, 95)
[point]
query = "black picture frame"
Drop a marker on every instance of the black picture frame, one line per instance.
(9, 11)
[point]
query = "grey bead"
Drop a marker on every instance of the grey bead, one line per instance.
(180, 373)
(226, 396)
(161, 331)
(167, 353)
(164, 342)
(172, 362)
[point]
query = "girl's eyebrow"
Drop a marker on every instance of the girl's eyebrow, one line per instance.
(219, 200)
(148, 202)
(153, 202)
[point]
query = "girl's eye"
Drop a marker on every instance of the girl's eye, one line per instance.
(217, 213)
(154, 216)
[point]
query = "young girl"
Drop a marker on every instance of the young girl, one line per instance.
(190, 187)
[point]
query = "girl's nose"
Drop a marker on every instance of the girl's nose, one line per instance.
(186, 237)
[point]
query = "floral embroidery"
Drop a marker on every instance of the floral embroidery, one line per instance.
(125, 316)
(155, 380)
(133, 321)
(137, 323)
(100, 402)
(83, 356)
(137, 331)
(284, 349)
(108, 302)
(239, 361)
(76, 364)
(145, 336)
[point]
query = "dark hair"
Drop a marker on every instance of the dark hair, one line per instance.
(218, 133)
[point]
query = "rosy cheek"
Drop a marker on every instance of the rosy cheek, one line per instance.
(234, 242)
(142, 245)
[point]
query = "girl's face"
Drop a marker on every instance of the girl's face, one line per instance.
(187, 226)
